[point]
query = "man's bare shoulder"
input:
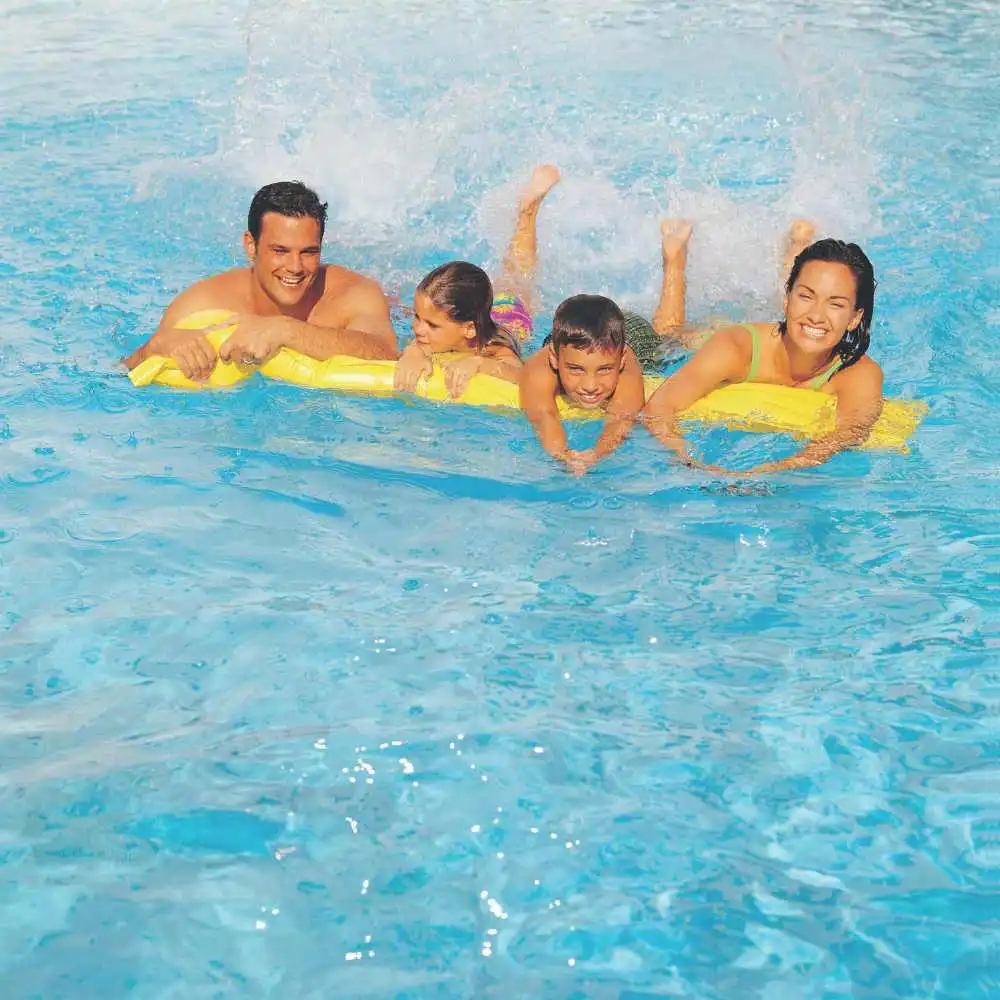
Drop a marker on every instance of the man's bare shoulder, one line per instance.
(229, 290)
(346, 294)
(340, 281)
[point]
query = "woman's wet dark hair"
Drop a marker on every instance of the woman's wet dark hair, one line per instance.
(464, 293)
(290, 198)
(854, 344)
(588, 322)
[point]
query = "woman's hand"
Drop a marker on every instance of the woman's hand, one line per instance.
(411, 366)
(458, 373)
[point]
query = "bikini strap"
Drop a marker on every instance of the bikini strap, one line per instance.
(755, 351)
(823, 377)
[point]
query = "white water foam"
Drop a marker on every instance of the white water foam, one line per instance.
(418, 121)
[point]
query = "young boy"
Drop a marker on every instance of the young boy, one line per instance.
(586, 359)
(595, 357)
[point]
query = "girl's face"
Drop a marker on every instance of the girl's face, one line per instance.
(820, 308)
(435, 331)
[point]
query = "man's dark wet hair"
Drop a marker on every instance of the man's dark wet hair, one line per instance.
(854, 344)
(589, 323)
(289, 198)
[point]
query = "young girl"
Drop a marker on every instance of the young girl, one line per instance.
(820, 344)
(456, 311)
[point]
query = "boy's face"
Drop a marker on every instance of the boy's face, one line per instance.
(589, 378)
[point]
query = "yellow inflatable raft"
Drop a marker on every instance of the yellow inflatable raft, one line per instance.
(751, 406)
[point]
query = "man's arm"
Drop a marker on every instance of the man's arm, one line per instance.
(194, 355)
(356, 323)
(365, 326)
(539, 386)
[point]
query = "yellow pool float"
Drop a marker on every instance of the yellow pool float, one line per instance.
(751, 406)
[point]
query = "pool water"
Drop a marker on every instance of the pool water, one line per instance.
(311, 696)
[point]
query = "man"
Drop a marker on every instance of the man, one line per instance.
(286, 298)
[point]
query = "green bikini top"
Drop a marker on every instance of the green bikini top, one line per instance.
(814, 383)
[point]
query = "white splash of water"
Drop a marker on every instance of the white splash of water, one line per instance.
(419, 142)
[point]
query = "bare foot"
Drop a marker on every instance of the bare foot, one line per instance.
(800, 235)
(543, 179)
(674, 234)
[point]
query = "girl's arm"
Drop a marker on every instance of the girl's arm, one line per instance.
(411, 366)
(500, 362)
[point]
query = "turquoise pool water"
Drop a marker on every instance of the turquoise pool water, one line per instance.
(309, 696)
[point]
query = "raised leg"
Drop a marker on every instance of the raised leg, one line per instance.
(670, 318)
(521, 259)
(800, 235)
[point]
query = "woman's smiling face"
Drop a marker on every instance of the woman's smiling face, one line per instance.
(821, 306)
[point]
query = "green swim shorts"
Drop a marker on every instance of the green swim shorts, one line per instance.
(646, 344)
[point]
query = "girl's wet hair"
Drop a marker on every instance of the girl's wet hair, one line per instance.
(464, 293)
(854, 344)
(589, 323)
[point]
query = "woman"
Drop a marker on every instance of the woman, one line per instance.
(819, 344)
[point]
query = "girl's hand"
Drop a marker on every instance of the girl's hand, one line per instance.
(458, 373)
(411, 367)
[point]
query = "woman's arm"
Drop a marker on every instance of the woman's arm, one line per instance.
(725, 358)
(858, 392)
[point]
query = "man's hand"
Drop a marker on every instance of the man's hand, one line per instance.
(411, 367)
(255, 340)
(194, 355)
(458, 373)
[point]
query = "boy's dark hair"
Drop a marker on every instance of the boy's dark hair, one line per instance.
(290, 198)
(589, 323)
(854, 344)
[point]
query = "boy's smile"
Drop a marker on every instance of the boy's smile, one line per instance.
(588, 378)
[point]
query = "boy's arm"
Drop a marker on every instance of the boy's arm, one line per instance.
(623, 410)
(539, 385)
